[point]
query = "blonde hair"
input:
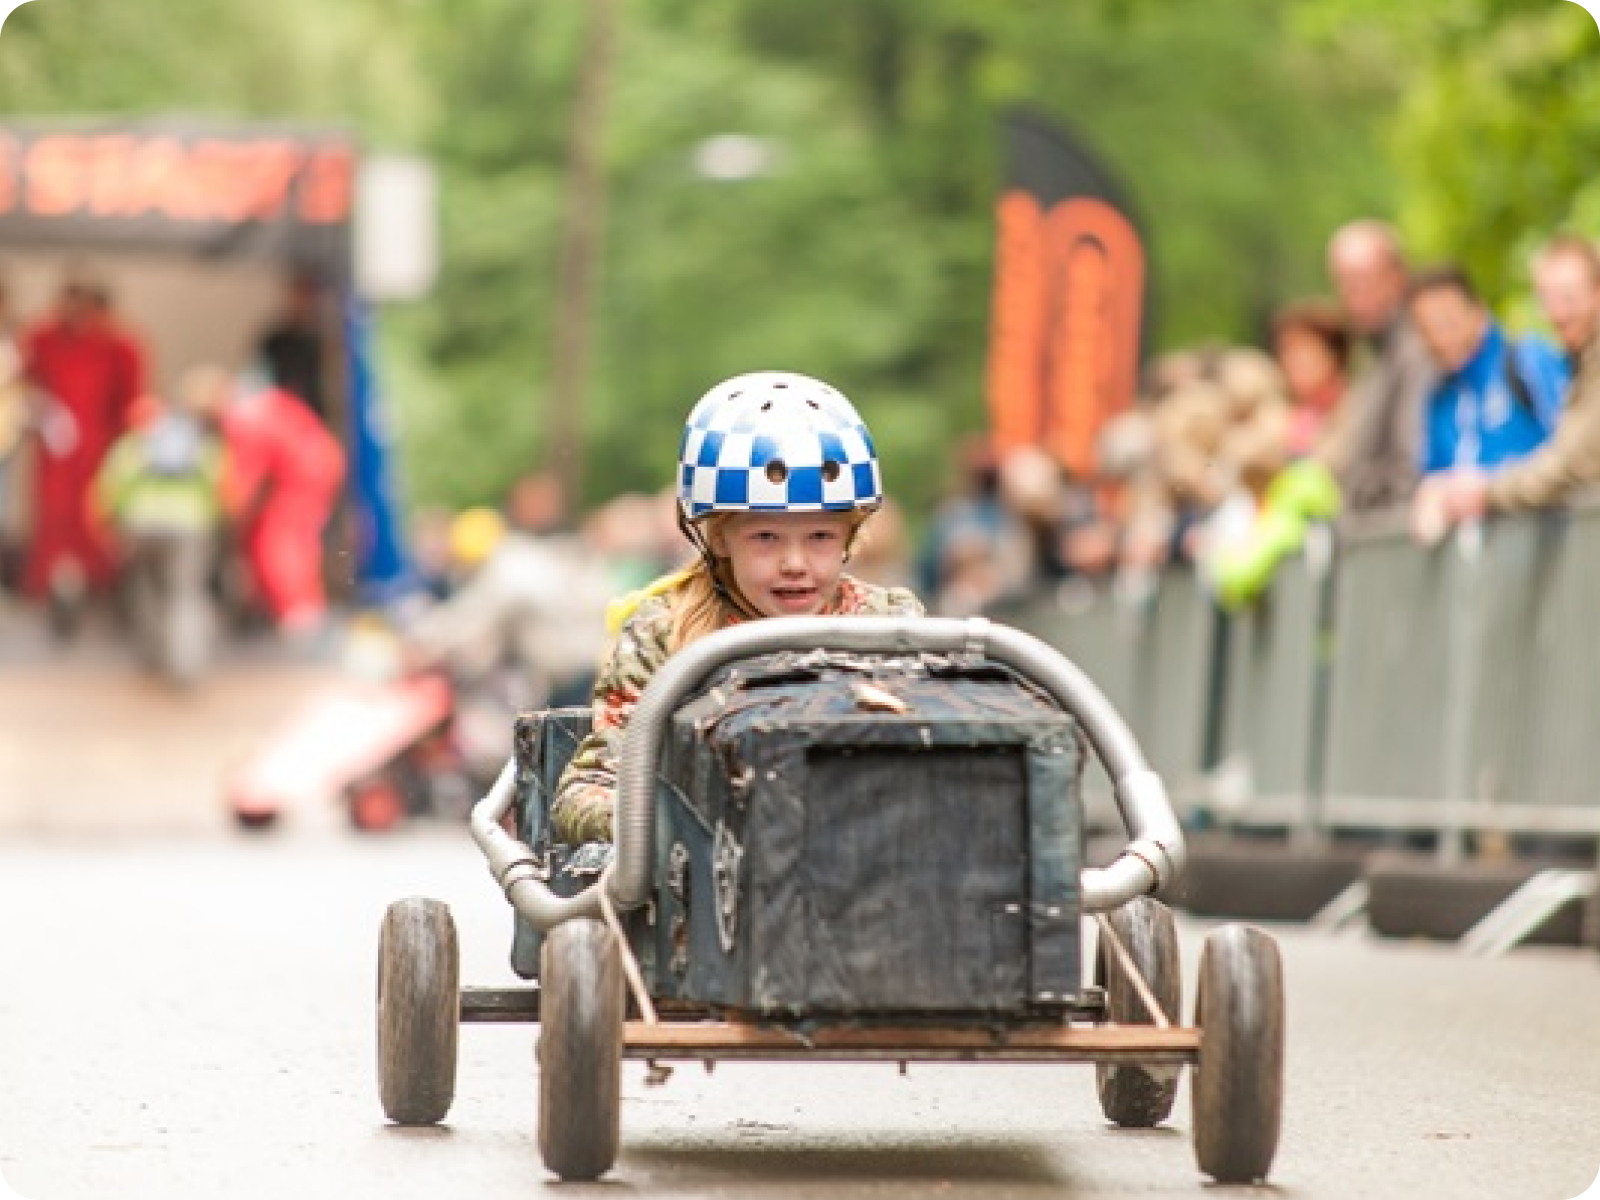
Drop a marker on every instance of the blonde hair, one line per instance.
(697, 607)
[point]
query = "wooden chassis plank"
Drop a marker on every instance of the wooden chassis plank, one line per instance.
(1101, 1043)
(691, 1038)
(520, 1005)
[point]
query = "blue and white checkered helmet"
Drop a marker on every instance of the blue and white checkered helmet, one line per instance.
(773, 441)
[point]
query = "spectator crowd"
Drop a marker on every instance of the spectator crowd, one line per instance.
(229, 483)
(1404, 395)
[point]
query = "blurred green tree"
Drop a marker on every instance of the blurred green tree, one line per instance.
(289, 60)
(1495, 142)
(863, 252)
(860, 248)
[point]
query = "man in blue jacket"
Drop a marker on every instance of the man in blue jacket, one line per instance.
(1496, 399)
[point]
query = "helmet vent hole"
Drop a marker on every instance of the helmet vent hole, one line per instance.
(780, 384)
(813, 403)
(830, 470)
(777, 471)
(767, 406)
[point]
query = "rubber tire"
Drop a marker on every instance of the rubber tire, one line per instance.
(376, 805)
(1237, 1087)
(182, 630)
(255, 821)
(419, 1011)
(1132, 1095)
(582, 1010)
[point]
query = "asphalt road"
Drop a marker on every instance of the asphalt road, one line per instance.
(186, 1012)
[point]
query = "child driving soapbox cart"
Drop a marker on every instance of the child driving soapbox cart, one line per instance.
(867, 851)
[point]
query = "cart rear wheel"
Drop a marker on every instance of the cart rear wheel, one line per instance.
(1238, 1081)
(419, 1005)
(580, 1049)
(1135, 1095)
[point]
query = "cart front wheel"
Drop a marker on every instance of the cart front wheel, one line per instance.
(1238, 1081)
(580, 1049)
(1137, 1095)
(419, 1005)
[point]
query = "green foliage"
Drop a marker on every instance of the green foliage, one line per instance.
(1498, 144)
(291, 59)
(865, 255)
(1243, 132)
(817, 265)
(1494, 142)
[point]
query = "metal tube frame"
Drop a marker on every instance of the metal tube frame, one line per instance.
(1153, 858)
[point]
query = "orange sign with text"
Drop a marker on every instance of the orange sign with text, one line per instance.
(244, 192)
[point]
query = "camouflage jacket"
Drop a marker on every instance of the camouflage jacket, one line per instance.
(586, 794)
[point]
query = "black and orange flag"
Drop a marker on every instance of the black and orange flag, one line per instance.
(1068, 304)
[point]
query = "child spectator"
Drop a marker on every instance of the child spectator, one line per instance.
(1312, 345)
(1185, 477)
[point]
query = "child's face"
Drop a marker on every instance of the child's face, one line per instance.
(786, 564)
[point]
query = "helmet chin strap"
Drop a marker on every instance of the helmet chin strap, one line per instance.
(726, 591)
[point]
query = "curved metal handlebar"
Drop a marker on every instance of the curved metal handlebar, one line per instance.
(1153, 857)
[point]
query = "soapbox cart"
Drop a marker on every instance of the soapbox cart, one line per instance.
(844, 839)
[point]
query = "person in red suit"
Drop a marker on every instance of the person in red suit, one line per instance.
(285, 473)
(89, 371)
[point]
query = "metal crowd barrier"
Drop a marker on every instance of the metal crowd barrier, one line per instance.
(1486, 669)
(1554, 768)
(1174, 684)
(1102, 639)
(1155, 658)
(1395, 670)
(1274, 700)
(1447, 690)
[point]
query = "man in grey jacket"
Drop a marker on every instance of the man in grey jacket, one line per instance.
(1371, 443)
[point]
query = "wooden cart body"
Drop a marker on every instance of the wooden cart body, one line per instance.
(820, 859)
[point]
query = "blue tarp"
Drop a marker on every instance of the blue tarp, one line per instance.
(383, 567)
